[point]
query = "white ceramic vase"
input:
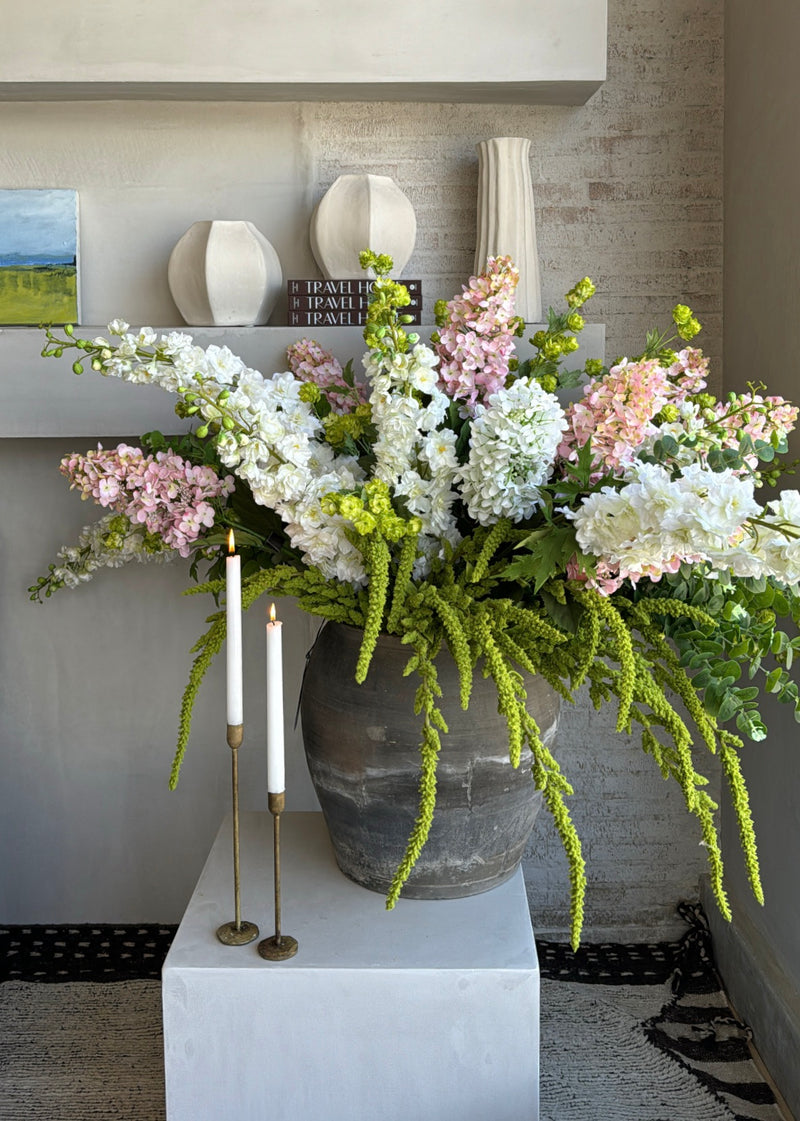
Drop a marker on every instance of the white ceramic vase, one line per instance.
(506, 219)
(362, 212)
(224, 274)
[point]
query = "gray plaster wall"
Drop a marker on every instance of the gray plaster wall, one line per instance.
(628, 190)
(760, 953)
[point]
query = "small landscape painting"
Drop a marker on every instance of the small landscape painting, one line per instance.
(38, 257)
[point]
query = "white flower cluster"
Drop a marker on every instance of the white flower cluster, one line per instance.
(100, 545)
(513, 444)
(777, 545)
(654, 523)
(689, 423)
(413, 457)
(275, 444)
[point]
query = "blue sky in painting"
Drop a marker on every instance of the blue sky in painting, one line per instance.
(38, 227)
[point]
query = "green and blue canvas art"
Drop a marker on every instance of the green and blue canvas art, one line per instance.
(38, 257)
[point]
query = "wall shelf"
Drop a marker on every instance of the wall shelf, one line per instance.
(42, 397)
(527, 52)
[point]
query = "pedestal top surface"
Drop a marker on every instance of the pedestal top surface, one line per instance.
(337, 923)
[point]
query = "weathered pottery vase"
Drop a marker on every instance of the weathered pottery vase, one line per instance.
(362, 747)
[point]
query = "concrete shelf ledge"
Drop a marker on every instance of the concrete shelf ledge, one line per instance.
(527, 52)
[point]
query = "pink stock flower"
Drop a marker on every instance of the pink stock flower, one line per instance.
(616, 413)
(309, 362)
(761, 418)
(477, 342)
(163, 492)
(687, 374)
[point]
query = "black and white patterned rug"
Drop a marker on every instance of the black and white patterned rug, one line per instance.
(629, 1032)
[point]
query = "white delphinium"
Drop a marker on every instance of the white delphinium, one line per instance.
(111, 542)
(654, 523)
(513, 443)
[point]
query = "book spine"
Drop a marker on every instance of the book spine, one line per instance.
(309, 317)
(341, 303)
(343, 287)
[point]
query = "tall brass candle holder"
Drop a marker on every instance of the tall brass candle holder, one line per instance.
(239, 932)
(279, 946)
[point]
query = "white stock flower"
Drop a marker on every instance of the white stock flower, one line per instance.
(654, 523)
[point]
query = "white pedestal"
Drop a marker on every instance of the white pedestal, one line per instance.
(429, 1012)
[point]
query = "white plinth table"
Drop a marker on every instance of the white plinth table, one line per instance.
(429, 1012)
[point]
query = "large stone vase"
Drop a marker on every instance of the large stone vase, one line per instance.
(506, 218)
(362, 747)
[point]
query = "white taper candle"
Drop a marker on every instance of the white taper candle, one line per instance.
(233, 619)
(276, 774)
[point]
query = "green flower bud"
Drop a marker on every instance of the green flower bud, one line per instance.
(689, 329)
(202, 432)
(310, 393)
(681, 314)
(69, 329)
(350, 506)
(77, 368)
(228, 423)
(364, 523)
(669, 414)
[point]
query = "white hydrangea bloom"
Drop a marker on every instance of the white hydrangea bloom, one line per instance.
(513, 444)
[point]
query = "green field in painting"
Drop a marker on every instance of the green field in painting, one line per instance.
(33, 294)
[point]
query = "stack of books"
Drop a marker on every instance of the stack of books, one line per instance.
(340, 303)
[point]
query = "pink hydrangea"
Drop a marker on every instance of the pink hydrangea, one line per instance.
(168, 495)
(477, 342)
(309, 362)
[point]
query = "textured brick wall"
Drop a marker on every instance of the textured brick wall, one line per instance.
(628, 190)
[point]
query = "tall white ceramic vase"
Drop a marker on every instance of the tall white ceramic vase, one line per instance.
(362, 212)
(224, 274)
(506, 219)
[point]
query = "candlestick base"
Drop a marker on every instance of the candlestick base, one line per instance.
(278, 948)
(229, 935)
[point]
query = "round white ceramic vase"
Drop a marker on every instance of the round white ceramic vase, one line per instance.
(362, 212)
(506, 219)
(224, 274)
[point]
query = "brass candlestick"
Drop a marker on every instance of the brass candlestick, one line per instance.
(280, 946)
(238, 932)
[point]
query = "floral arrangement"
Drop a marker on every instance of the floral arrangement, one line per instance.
(454, 500)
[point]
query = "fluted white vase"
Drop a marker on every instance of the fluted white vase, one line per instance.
(506, 218)
(362, 212)
(224, 274)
